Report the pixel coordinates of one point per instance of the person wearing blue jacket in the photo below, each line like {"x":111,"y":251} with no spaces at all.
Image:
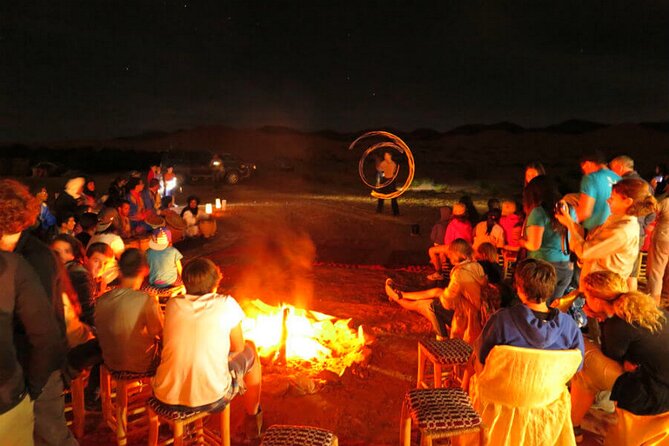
{"x":532,"y":324}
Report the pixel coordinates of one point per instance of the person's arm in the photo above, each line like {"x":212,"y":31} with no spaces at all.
{"x":179,"y":267}
{"x":85,"y":287}
{"x":533,"y":237}
{"x":236,"y":339}
{"x":605,"y":243}
{"x":154,"y":317}
{"x":586,"y":202}
{"x":48,"y":219}
{"x":37,"y":317}
{"x":491,"y":336}
{"x":452,"y":293}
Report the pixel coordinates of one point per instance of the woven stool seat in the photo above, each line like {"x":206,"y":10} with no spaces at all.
{"x":123,"y":375}
{"x":440,"y":413}
{"x":280,"y":435}
{"x":167,"y":292}
{"x":450,"y":351}
{"x":442,"y":409}
{"x":170,"y":412}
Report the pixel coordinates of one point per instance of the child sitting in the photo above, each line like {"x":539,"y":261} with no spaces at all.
{"x":164,"y":260}
{"x":458,"y":228}
{"x":486,"y":256}
{"x":489,"y":231}
{"x":439,"y":229}
{"x":205,"y":360}
{"x":512,"y":224}
{"x":532,"y":324}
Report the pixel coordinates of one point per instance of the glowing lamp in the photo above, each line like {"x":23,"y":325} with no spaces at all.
{"x":218,"y":203}
{"x":207,"y":208}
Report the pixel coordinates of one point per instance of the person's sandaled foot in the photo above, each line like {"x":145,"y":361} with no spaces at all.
{"x":391,"y":290}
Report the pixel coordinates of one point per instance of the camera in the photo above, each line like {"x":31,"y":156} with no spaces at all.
{"x":561,"y":207}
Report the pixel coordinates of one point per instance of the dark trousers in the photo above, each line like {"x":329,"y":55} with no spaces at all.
{"x":49,"y":410}
{"x":393,"y":202}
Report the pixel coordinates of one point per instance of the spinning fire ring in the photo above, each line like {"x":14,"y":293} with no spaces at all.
{"x":392,"y":142}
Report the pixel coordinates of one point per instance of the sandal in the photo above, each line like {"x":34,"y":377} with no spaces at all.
{"x":392,"y":291}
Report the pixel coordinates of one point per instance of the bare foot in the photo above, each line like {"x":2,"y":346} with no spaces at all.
{"x":390,"y":291}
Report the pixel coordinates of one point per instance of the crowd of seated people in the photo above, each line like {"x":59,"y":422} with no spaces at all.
{"x":81,"y":301}
{"x":575,"y":291}
{"x":77,"y":316}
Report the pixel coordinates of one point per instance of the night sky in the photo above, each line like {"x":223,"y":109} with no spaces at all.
{"x":95,"y":69}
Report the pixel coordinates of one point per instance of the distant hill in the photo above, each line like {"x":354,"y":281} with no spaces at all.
{"x":573,"y":126}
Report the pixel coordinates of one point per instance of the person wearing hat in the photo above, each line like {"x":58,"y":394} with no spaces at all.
{"x":164,"y":260}
{"x":104,"y":233}
{"x":458,"y":228}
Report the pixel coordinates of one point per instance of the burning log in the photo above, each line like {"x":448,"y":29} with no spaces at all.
{"x":280,"y":357}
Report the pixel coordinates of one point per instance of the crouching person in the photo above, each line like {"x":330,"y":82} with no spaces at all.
{"x":202,"y":330}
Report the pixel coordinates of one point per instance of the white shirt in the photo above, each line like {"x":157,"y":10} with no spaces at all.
{"x":496,"y":236}
{"x":196,"y":342}
{"x":612,"y":246}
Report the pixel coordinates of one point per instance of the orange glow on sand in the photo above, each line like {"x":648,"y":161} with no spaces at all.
{"x":326,"y":342}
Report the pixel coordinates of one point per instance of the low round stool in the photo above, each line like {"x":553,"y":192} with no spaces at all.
{"x":283,"y":435}
{"x":188,"y":427}
{"x":448,"y":358}
{"x":439,"y":413}
{"x":123,"y":396}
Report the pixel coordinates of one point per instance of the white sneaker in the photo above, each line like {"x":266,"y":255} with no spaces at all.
{"x":603,"y":402}
{"x":435,"y":276}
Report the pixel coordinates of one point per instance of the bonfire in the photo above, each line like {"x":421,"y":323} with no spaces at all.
{"x":297,"y":337}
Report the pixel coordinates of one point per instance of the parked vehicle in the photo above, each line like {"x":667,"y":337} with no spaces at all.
{"x":202,"y":165}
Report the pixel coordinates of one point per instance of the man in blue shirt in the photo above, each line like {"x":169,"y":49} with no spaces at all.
{"x":593,"y":210}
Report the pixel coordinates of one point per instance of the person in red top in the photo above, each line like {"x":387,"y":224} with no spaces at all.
{"x":458,"y":228}
{"x":138,"y":211}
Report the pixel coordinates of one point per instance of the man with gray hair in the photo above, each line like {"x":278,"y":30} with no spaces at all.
{"x":623,"y":165}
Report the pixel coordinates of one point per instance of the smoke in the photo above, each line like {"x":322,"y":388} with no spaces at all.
{"x":281,"y":268}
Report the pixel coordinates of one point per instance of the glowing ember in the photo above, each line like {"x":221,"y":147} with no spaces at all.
{"x":328,"y":343}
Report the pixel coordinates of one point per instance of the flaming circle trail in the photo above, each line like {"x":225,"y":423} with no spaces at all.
{"x":390,"y":142}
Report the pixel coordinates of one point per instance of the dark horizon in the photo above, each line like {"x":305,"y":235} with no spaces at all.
{"x":80,"y":71}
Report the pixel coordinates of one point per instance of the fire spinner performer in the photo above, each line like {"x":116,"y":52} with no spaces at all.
{"x":385,"y":188}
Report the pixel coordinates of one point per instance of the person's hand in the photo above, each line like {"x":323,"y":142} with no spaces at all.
{"x":629,"y":367}
{"x":564,"y":218}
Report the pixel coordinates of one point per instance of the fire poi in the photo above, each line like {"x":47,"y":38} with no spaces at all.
{"x":389,"y":141}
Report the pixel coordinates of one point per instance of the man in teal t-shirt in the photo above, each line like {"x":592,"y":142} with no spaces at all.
{"x":593,"y":210}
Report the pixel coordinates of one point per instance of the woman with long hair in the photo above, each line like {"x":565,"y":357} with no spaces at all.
{"x":633,"y":360}
{"x":532,"y":170}
{"x":545,"y":237}
{"x":459,"y":305}
{"x":614,"y":245}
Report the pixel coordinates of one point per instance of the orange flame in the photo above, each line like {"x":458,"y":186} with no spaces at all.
{"x":327,"y":342}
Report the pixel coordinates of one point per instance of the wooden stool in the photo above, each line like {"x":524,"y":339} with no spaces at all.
{"x":75,"y":410}
{"x":124,"y":396}
{"x":447,"y":357}
{"x":180,"y":421}
{"x":283,"y":435}
{"x":510,"y":260}
{"x":438,"y":413}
